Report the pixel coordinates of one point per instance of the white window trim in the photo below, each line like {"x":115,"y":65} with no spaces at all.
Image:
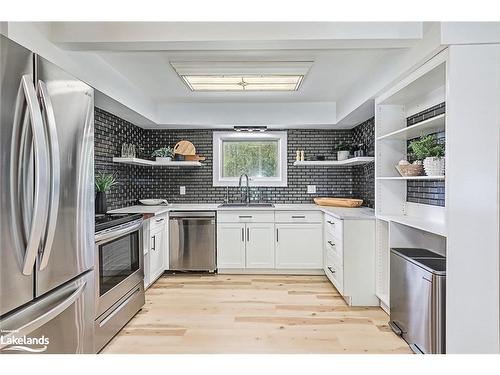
{"x":280,"y":136}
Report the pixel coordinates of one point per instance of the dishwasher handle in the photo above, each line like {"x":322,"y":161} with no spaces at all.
{"x":192,"y":214}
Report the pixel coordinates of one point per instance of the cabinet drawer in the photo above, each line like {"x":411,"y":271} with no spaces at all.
{"x":334,"y":246}
{"x":334,"y":271}
{"x":158,"y":221}
{"x":333,"y":226}
{"x":299,"y":216}
{"x":245,"y":216}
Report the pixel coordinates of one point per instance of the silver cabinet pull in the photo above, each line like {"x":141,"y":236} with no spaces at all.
{"x":242,"y":234}
{"x":330,"y":222}
{"x":53,"y":142}
{"x":160,"y":220}
{"x":331,"y":270}
{"x":248,"y":234}
{"x":331,"y":243}
{"x":153,"y":247}
{"x":298,"y":217}
{"x":27,"y":93}
{"x":245,"y":216}
{"x":277,"y":235}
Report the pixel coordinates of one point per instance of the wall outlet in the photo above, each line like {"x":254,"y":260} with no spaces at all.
{"x":182,"y":190}
{"x":311,"y":189}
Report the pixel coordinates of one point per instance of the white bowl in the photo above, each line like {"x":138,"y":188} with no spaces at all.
{"x":153,"y":202}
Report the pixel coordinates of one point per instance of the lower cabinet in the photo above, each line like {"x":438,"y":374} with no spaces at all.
{"x":259,"y":245}
{"x":155,"y":240}
{"x":230,"y":245}
{"x":243,"y":245}
{"x":157,"y":252}
{"x":299,"y":246}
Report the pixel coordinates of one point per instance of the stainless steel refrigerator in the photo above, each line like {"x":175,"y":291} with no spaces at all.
{"x":46,"y":206}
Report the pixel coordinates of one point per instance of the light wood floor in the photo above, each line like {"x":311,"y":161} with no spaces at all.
{"x":253,"y":314}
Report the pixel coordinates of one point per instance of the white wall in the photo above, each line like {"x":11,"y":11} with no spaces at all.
{"x":472,"y":136}
{"x":87,"y":67}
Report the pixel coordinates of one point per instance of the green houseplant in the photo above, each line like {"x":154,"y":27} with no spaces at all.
{"x":342,"y":150}
{"x":431,"y":151}
{"x":103,"y":183}
{"x":163,"y":154}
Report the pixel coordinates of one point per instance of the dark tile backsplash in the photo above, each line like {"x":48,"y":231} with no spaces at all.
{"x":157,"y":182}
{"x":427,"y":192}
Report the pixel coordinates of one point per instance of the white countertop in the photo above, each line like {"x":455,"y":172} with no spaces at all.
{"x":362,"y":213}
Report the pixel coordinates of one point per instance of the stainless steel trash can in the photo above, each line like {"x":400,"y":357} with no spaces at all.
{"x":417,"y":299}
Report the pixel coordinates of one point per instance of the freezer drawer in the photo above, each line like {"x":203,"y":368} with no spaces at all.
{"x":59,"y":323}
{"x":417,"y":302}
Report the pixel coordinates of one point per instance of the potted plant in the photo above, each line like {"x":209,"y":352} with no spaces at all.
{"x":431,"y":151}
{"x":342,"y":151}
{"x":103,"y":183}
{"x":163,"y":154}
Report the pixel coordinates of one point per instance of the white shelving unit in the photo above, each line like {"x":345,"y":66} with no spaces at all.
{"x":335,"y":163}
{"x":401,"y":223}
{"x":432,"y":125}
{"x":417,"y":178}
{"x":153,"y":163}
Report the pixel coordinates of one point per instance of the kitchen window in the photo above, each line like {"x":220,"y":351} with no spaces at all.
{"x":261,"y":155}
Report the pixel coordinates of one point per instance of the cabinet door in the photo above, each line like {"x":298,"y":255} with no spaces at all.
{"x":259,"y":245}
{"x":157,"y":253}
{"x":299,"y":246}
{"x":231,"y":245}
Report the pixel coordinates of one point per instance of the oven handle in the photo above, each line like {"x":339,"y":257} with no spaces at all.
{"x":101,"y":237}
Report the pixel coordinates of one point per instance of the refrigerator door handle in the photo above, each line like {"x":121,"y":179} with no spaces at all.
{"x":27,"y":328}
{"x":40,"y":204}
{"x":48,"y":111}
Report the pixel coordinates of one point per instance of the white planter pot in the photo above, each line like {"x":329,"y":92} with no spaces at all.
{"x":342,"y":155}
{"x":163,"y":160}
{"x":434,"y":166}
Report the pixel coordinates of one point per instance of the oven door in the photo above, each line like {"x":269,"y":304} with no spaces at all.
{"x":119,"y":264}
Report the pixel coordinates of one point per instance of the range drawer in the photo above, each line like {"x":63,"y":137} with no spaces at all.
{"x":299,"y":216}
{"x":333,"y":226}
{"x":245,"y":216}
{"x":158,"y":221}
{"x":334,"y":245}
{"x":334,"y":271}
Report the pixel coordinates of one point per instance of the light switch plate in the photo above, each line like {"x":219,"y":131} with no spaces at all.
{"x":182,"y":190}
{"x":311,"y":189}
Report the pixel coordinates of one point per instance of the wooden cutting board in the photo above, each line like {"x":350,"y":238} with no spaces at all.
{"x":194,"y":158}
{"x":184,"y":148}
{"x":339,"y":202}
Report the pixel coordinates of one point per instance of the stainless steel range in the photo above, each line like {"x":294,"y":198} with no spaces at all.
{"x":119,"y":273}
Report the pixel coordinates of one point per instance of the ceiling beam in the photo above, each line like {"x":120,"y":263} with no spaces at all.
{"x":158,"y":36}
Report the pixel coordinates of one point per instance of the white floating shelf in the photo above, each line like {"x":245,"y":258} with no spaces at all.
{"x":335,"y":163}
{"x":152,"y":163}
{"x":432,"y":125}
{"x":427,"y":225}
{"x":424,"y":178}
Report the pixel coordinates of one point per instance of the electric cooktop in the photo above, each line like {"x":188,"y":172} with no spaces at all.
{"x":106,"y":221}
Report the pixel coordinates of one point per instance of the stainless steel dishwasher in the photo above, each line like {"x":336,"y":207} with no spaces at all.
{"x":192,"y":241}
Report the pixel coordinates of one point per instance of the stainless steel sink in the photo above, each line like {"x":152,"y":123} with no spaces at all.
{"x":247,"y":205}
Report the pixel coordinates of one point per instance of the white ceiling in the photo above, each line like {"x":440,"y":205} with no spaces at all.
{"x":330,"y":76}
{"x":344,"y":56}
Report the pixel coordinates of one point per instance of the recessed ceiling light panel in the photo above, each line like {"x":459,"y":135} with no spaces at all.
{"x":241,"y":76}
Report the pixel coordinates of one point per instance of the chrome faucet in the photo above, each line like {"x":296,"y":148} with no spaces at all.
{"x":248,"y":187}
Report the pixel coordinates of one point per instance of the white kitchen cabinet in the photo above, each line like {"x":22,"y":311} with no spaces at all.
{"x":349,"y":255}
{"x":299,"y":246}
{"x":259,"y":245}
{"x":230,"y":245}
{"x":157,"y":252}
